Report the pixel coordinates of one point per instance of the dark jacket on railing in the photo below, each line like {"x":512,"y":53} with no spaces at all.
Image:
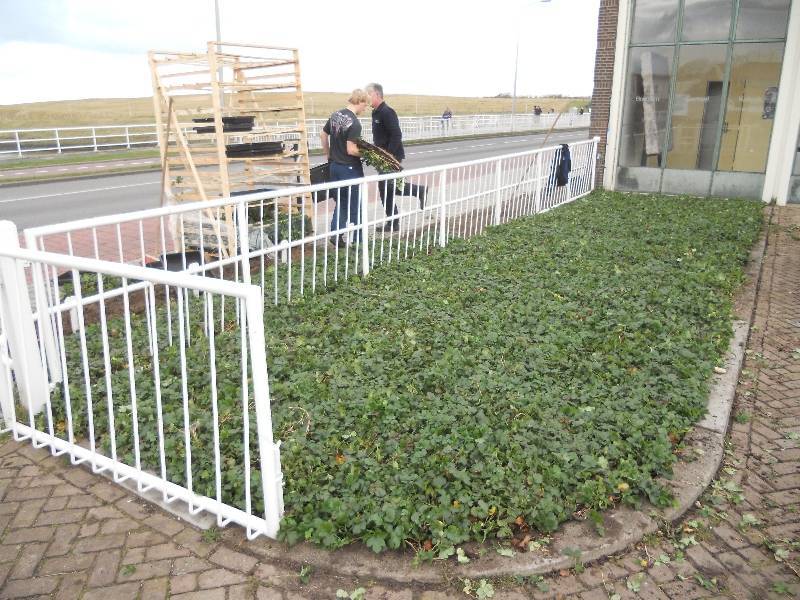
{"x":386,"y":132}
{"x":562,"y":165}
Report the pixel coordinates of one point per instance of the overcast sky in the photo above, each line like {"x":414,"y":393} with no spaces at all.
{"x":65,"y":49}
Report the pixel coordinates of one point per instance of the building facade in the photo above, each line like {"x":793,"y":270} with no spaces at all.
{"x":699,"y":97}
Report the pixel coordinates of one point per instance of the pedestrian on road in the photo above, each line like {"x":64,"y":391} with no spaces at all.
{"x":386,"y":134}
{"x":338,"y":139}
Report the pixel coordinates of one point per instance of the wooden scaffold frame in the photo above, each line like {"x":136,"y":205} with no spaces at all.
{"x":248,"y":132}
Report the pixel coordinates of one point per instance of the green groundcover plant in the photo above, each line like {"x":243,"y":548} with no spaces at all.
{"x":503,"y":382}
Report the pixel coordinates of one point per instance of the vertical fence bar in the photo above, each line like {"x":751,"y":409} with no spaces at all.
{"x":242,"y":228}
{"x":94,"y":138}
{"x":362,"y":194}
{"x":18,"y":317}
{"x":127,"y":138}
{"x":443,"y":209}
{"x":267,"y":450}
{"x":19,"y":147}
{"x":498,"y":194}
{"x":58,"y":141}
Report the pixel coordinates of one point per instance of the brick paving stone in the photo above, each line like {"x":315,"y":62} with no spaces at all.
{"x":243,"y":591}
{"x":134,"y":508}
{"x":145,"y":538}
{"x":9,"y":553}
{"x":164,"y":524}
{"x":65,"y":564}
{"x":118,"y":526}
{"x":29,"y":534}
{"x":26,"y":516}
{"x":218,"y":577}
{"x":100,"y":542}
{"x":146,"y":570}
{"x":55,"y":504}
{"x":27,"y":561}
{"x":155,"y":589}
{"x":595,"y":594}
{"x":166,"y":551}
{"x":101,"y":513}
{"x":83,"y":501}
{"x":61,"y":517}
{"x":235,"y":561}
{"x":267,"y":593}
{"x":71,"y":586}
{"x":65,"y":489}
{"x":190,"y":564}
{"x":183,"y":583}
{"x":105,"y":568}
{"x":217,"y":594}
{"x":125,"y":591}
{"x":30,"y":587}
{"x":133,"y":556}
{"x":107,"y":491}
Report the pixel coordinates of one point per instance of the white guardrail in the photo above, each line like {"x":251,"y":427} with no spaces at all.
{"x":112,"y":362}
{"x":22,"y":142}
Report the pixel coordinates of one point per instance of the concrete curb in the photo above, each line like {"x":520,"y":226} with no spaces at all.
{"x":624,"y":526}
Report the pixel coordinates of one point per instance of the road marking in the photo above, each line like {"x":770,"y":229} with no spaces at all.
{"x":105,"y":189}
{"x":79,"y":168}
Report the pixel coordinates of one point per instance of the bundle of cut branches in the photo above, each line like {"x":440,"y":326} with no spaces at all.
{"x":381,"y":160}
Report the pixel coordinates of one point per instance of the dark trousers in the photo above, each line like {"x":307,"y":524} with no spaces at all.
{"x":348,"y":205}
{"x":387,"y":191}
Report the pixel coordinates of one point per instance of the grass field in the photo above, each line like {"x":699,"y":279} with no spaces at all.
{"x":125,"y":111}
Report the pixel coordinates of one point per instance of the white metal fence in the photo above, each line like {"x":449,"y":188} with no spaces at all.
{"x":22,"y":142}
{"x":162,"y":376}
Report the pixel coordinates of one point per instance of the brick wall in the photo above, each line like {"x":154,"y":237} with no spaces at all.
{"x":603,"y":77}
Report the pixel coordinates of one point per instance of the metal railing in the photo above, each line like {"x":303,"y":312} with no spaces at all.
{"x":96,"y":138}
{"x":130,"y":353}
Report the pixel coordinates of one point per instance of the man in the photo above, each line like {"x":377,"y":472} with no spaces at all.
{"x":386,"y":134}
{"x":338,"y":139}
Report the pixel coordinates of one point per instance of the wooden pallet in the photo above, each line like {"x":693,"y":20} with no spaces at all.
{"x":228,"y":80}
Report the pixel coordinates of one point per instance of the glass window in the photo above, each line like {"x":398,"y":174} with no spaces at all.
{"x":750,"y":110}
{"x":644,"y":120}
{"x":654,"y":21}
{"x":697,"y":106}
{"x":707,"y":19}
{"x":759,"y":19}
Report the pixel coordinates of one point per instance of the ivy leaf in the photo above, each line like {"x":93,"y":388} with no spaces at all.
{"x":461,"y":556}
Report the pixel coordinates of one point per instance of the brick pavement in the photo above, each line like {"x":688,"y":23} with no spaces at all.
{"x":66,"y":533}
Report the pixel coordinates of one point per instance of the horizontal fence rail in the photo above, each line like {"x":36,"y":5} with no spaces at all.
{"x":96,"y":138}
{"x":122,"y":315}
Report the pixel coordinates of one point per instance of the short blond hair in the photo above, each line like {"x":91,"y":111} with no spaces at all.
{"x":358,"y":96}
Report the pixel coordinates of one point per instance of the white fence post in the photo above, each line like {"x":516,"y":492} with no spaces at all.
{"x":244,"y":239}
{"x":595,"y":142}
{"x":498,"y":195}
{"x":18,"y":317}
{"x":19,"y":147}
{"x":364,"y":230}
{"x":537,"y":207}
{"x":443,"y":209}
{"x":127,"y":137}
{"x":94,"y":138}
{"x":58,"y":141}
{"x":269,"y":456}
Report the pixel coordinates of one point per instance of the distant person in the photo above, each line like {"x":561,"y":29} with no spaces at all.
{"x":338,"y":139}
{"x":446,"y":116}
{"x":551,"y":111}
{"x":580,"y":111}
{"x":386,"y":134}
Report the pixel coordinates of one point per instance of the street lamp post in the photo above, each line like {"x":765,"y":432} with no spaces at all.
{"x":516,"y":69}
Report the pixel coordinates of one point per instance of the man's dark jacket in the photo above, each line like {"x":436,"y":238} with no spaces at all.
{"x":386,"y":132}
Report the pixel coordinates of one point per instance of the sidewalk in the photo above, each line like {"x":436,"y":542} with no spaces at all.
{"x":66,"y":533}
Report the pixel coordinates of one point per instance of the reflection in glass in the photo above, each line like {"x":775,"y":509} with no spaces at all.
{"x":697,"y":106}
{"x":654,"y":21}
{"x":759,"y":19}
{"x":750,"y":110}
{"x":644,"y":121}
{"x":707,"y":20}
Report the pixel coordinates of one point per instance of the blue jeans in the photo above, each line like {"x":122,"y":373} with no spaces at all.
{"x":348,"y":206}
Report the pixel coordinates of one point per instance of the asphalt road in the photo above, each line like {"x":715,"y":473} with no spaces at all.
{"x":53,"y":202}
